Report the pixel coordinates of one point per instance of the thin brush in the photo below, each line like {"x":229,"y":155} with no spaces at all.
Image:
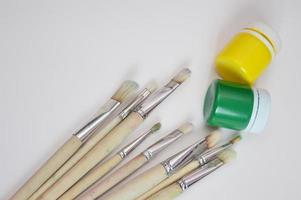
{"x":172,"y":191}
{"x":198,"y":161}
{"x":100,"y":170}
{"x":114,"y":139}
{"x":135,"y":164}
{"x":98,"y":136}
{"x":74,"y":143}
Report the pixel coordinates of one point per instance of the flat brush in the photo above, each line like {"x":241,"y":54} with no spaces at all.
{"x":197,"y":162}
{"x":152,"y":177}
{"x":175,"y":189}
{"x":114,"y":139}
{"x":104,"y":128}
{"x":99,"y":171}
{"x":136,"y":163}
{"x":74,"y":143}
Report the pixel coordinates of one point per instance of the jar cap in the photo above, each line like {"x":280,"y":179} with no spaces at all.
{"x":228,"y":105}
{"x":261,"y":110}
{"x":268,"y":32}
{"x":236,"y":106}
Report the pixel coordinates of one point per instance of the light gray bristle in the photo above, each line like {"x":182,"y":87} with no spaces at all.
{"x":227,"y":155}
{"x":182,"y":75}
{"x":236,"y":139}
{"x":126,"y":90}
{"x":213,"y":138}
{"x":186,"y":127}
{"x":156,"y":127}
{"x":151,"y":86}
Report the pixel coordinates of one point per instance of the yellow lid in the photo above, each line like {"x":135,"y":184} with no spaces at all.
{"x":247,"y":55}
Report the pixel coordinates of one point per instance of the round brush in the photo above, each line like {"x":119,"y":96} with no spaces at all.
{"x":172,"y":191}
{"x":74,"y":143}
{"x":136,"y":163}
{"x":100,"y":170}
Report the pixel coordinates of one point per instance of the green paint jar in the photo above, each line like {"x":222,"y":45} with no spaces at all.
{"x":236,"y":106}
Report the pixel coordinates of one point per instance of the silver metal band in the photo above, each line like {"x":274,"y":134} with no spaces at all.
{"x":135,"y":102}
{"x":84,"y":133}
{"x":156,"y":98}
{"x":183,"y":157}
{"x":130,"y":147}
{"x":162,"y":144}
{"x":197,"y":175}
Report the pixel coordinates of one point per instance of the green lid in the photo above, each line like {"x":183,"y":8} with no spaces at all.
{"x":228,"y":105}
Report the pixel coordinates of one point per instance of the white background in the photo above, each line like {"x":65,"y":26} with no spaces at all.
{"x":61,"y":60}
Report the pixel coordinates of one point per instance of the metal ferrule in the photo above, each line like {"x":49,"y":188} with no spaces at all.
{"x":199,"y":174}
{"x":183,"y":157}
{"x":84,"y":133}
{"x":134,"y":103}
{"x":154,"y":149}
{"x":211,"y":154}
{"x":130,"y":147}
{"x":156,"y":98}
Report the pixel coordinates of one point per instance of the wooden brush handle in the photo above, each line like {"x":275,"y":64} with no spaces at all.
{"x":88,"y":145}
{"x":91,"y":178}
{"x":48,"y":168}
{"x":115,"y":178}
{"x":168,"y":193}
{"x":140,"y":184}
{"x":94,"y":156}
{"x":176,"y":176}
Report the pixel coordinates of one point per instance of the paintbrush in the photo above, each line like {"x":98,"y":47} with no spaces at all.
{"x":114,"y":139}
{"x":75,"y":142}
{"x":197,"y":162}
{"x":103,"y":131}
{"x":152,"y":177}
{"x":136,"y":163}
{"x":99,"y":171}
{"x":172,"y":191}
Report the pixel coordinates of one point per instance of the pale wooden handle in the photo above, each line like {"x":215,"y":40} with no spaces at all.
{"x":94,"y":156}
{"x":48,"y":168}
{"x":97,"y":136}
{"x":91,"y":178}
{"x":115,"y":178}
{"x":176,"y":176}
{"x":140,"y":184}
{"x":167,"y":193}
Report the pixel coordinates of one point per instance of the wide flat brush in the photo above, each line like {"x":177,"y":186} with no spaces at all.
{"x":174,"y":190}
{"x":99,"y":171}
{"x":197,"y":162}
{"x":152,"y":177}
{"x":135,"y":164}
{"x":74,"y":143}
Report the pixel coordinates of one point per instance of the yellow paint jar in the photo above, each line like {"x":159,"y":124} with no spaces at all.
{"x":249,"y":52}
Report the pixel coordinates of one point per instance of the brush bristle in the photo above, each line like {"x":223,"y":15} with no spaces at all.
{"x":156,"y":127}
{"x":213,"y":138}
{"x":186,"y":127}
{"x":227,"y":156}
{"x":182,"y":75}
{"x":126,"y":90}
{"x":151,"y":86}
{"x":236,"y":139}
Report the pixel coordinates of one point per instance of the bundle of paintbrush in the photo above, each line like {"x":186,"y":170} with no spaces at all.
{"x":96,"y":141}
{"x":136,"y":163}
{"x":172,"y":169}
